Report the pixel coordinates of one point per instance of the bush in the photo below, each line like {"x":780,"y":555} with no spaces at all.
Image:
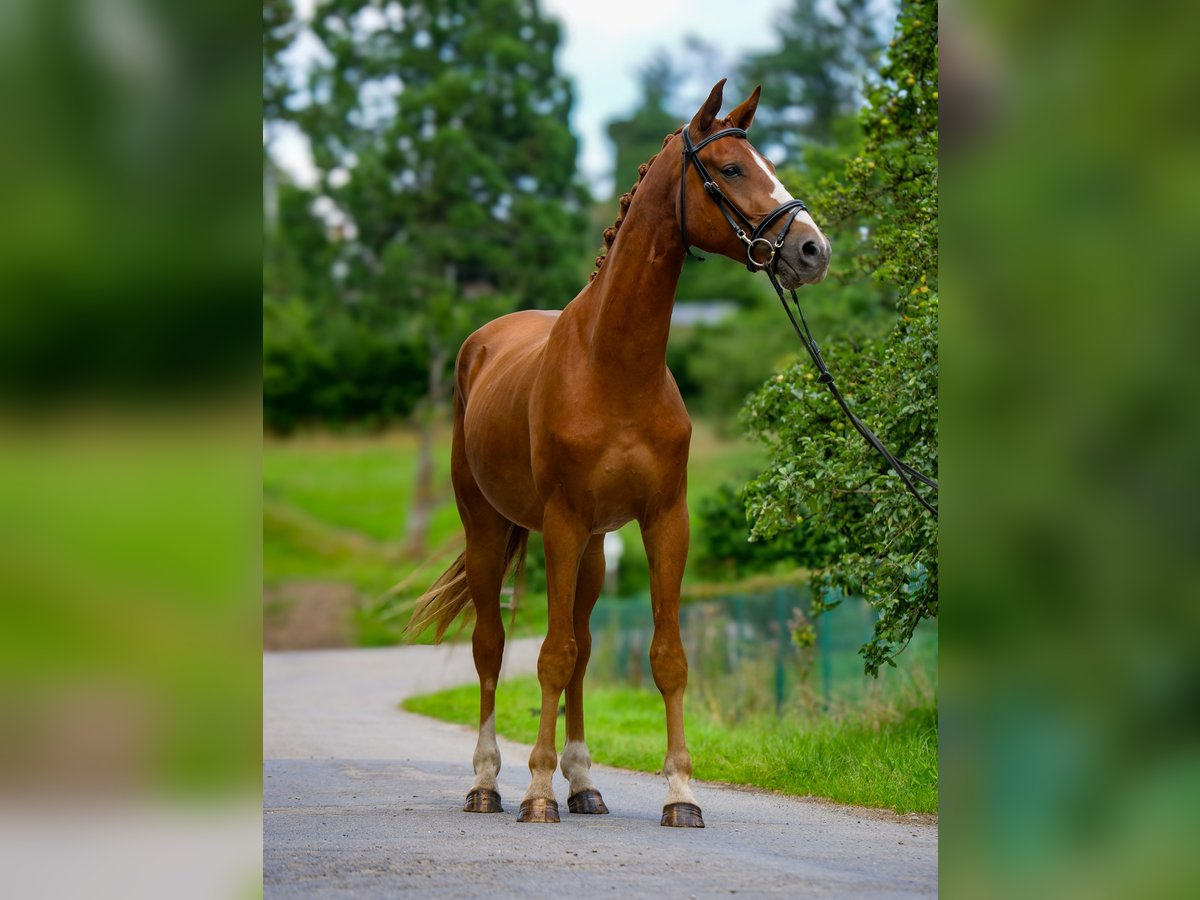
{"x":887,"y":549}
{"x":326,"y":366}
{"x":728,"y":550}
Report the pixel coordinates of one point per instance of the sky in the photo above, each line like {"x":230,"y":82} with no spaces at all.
{"x":605,"y":44}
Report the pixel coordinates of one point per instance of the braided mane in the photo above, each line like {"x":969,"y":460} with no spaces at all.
{"x":610,"y":233}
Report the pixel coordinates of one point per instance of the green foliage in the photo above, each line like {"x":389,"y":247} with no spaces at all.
{"x":890,"y":188}
{"x":718,"y":366}
{"x":335,"y":368}
{"x":640,"y":137}
{"x":721,"y":278}
{"x":446,"y":197}
{"x":279,"y":30}
{"x":727,"y":549}
{"x":443,"y":135}
{"x":894,"y":753}
{"x":819,"y":465}
{"x":811,"y":82}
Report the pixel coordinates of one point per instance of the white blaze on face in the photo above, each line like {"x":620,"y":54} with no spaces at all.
{"x":778,"y":192}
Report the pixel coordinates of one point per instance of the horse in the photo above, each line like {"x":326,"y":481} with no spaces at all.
{"x":569,"y":423}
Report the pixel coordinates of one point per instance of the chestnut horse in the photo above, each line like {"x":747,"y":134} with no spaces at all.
{"x":569,"y":423}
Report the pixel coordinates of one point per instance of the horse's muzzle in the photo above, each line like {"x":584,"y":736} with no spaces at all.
{"x":803,"y":259}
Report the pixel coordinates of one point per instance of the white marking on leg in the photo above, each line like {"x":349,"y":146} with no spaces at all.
{"x":487,"y":755}
{"x":541,"y":785}
{"x":679,"y":789}
{"x":577,"y":766}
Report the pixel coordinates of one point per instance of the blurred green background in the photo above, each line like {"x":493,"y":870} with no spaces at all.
{"x":128,"y":249}
{"x":130,"y":245}
{"x":1069,"y":663}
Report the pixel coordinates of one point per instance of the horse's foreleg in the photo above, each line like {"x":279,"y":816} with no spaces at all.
{"x":565,"y":540}
{"x":576,"y":761}
{"x":666,"y":538}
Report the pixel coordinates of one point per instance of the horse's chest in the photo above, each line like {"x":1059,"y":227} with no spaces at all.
{"x":617,"y":469}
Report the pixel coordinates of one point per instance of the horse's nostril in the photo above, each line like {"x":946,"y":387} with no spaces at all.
{"x":809,"y":250}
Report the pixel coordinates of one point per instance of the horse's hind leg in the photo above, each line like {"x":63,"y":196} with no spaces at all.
{"x":489,"y":538}
{"x":576,"y":761}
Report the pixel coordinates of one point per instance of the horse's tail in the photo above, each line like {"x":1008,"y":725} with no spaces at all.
{"x":449,"y":596}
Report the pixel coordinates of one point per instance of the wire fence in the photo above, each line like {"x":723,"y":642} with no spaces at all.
{"x":751,"y":654}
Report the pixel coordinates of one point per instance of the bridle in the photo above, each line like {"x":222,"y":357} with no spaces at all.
{"x":790,"y":208}
{"x":788,"y":211}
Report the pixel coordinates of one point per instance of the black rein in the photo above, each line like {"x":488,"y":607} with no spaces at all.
{"x":791,"y":209}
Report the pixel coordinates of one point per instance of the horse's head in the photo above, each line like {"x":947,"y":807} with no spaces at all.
{"x":734,"y":217}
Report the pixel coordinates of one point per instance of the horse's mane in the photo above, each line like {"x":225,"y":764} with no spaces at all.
{"x":610,"y":233}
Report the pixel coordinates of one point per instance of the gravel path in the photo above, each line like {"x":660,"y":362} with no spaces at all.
{"x":362,"y":799}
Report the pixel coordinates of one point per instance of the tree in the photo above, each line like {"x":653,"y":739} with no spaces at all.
{"x":640,"y":137}
{"x":814,"y":80}
{"x":279,"y":30}
{"x":439,"y":132}
{"x":820,"y":467}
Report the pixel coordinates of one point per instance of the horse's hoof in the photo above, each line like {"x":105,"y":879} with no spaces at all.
{"x":539,"y":809}
{"x":682,"y":815}
{"x":481,"y":800}
{"x":589,"y":802}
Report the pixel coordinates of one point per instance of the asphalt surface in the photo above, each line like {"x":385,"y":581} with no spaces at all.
{"x":362,"y":799}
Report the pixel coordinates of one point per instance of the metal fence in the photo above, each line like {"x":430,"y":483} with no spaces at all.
{"x":756,"y":653}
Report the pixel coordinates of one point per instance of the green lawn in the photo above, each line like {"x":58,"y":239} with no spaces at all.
{"x":885,"y":759}
{"x":334,"y":510}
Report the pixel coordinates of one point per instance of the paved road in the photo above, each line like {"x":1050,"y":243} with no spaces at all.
{"x":362,"y":799}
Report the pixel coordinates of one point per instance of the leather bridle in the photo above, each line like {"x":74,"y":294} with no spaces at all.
{"x":791,"y":208}
{"x":740,"y":225}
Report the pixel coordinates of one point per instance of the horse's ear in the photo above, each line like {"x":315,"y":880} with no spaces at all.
{"x":707,"y":114}
{"x":744,"y":114}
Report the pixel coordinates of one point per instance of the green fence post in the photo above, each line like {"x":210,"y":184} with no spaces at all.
{"x":780,"y":649}
{"x":825,"y":648}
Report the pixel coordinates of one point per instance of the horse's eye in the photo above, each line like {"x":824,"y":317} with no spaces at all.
{"x":731,"y":171}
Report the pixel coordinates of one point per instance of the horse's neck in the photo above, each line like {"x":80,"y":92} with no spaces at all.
{"x":629,"y":304}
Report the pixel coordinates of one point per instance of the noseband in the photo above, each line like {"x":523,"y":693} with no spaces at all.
{"x":740,"y":225}
{"x":790,"y":210}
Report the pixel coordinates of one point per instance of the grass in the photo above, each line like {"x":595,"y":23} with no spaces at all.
{"x":334,"y":510}
{"x":886,"y":758}
{"x":126,"y":562}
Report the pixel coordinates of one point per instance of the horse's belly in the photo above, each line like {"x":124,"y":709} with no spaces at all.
{"x":496,"y":433}
{"x":497,"y":366}
{"x":505,"y":482}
